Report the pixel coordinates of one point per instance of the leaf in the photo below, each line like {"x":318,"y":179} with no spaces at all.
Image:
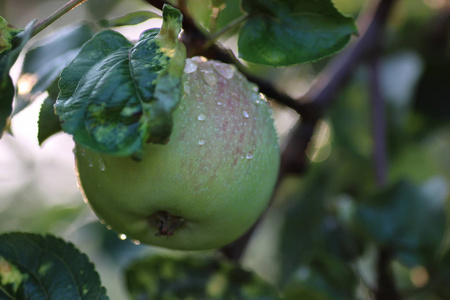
{"x":46,"y":59}
{"x":409,"y":220}
{"x":194,"y":277}
{"x":7,"y":60}
{"x":129,"y":19}
{"x":326,"y":279}
{"x":45,"y":267}
{"x":7,"y":34}
{"x":48,"y":123}
{"x":288,"y":32}
{"x":115,"y":96}
{"x":300,"y":233}
{"x":100,"y":8}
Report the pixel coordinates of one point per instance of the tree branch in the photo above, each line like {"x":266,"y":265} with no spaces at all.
{"x":56,"y":15}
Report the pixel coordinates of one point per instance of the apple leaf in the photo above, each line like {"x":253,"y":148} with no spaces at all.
{"x":48,"y":122}
{"x":7,"y":33}
{"x":8,"y":56}
{"x":33,"y":266}
{"x":129,"y":19}
{"x":288,"y":32}
{"x":407,"y":219}
{"x":326,"y":278}
{"x":45,"y":60}
{"x":163,"y":277}
{"x":116,"y":96}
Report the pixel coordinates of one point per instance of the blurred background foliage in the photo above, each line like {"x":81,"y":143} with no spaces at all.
{"x":325,"y":233}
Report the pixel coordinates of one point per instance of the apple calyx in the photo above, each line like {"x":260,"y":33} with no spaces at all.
{"x":165,"y":223}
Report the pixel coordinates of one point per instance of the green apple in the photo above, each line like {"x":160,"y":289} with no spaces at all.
{"x":212,"y":180}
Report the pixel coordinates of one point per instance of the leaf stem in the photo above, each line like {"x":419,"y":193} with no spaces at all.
{"x":238,"y":20}
{"x":56,"y":15}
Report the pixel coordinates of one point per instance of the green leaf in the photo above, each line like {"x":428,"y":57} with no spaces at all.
{"x":48,"y":123}
{"x":194,"y":277}
{"x":7,"y":60}
{"x":288,"y":32}
{"x":100,"y":8}
{"x":326,"y":278}
{"x":46,"y":59}
{"x":45,"y":267}
{"x":300,"y":233}
{"x":129,"y":19}
{"x":7,"y":33}
{"x":116,"y":96}
{"x":409,"y":220}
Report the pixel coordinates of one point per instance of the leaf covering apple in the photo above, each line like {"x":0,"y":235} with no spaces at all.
{"x":209,"y":181}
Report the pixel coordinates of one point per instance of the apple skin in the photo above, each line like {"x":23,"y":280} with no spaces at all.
{"x":214,"y":177}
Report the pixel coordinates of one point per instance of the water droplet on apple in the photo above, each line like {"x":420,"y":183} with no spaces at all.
{"x":209,"y":77}
{"x":245,"y":114}
{"x":224,"y":70}
{"x":101,"y":164}
{"x":199,"y":59}
{"x":201,"y":142}
{"x":187,"y":89}
{"x":253,"y":87}
{"x":190,"y":66}
{"x":249,"y":155}
{"x":201,"y":117}
{"x":122,"y":236}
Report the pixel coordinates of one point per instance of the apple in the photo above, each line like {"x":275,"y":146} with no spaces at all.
{"x":212,"y":180}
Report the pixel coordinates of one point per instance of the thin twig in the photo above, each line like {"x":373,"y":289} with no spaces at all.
{"x":378,"y":123}
{"x":56,"y":15}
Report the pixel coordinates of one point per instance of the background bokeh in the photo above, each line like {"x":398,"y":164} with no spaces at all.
{"x":39,"y":193}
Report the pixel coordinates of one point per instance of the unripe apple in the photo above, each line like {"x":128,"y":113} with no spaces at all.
{"x":212,"y":180}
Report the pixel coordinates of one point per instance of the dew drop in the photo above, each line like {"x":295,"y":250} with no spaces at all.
{"x":199,"y":59}
{"x":82,"y":152}
{"x":253,"y":87}
{"x":122,"y":236}
{"x":249,"y":155}
{"x":245,"y":114}
{"x":186,"y":89}
{"x":201,"y":142}
{"x":190,"y":66}
{"x":201,"y":117}
{"x":108,"y":227}
{"x":74,"y":151}
{"x":224,"y":70}
{"x":90,"y":163}
{"x":219,"y":103}
{"x":136,"y":242}
{"x":209,"y":77}
{"x":101,"y":165}
{"x":181,"y":107}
